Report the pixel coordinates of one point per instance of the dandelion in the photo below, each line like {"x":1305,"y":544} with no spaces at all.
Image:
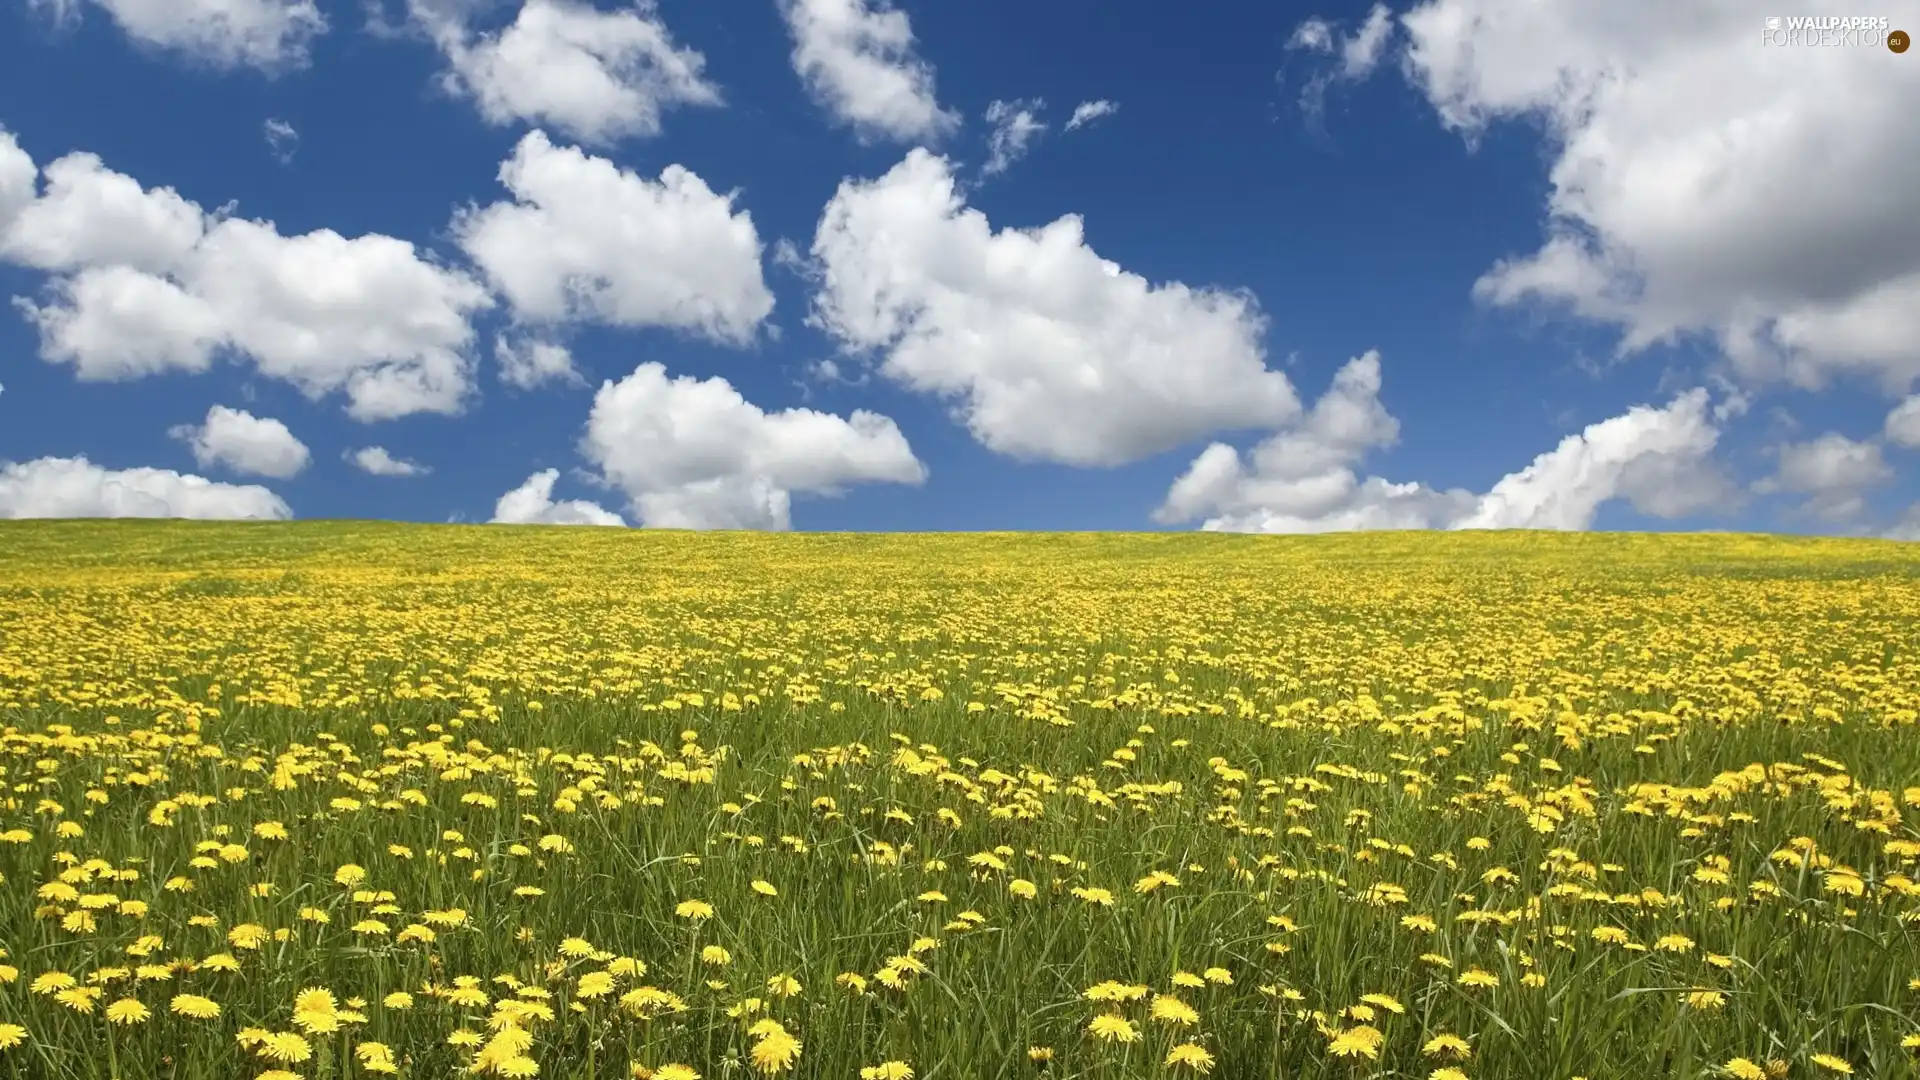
{"x":1112,"y":1027}
{"x":80,"y":999}
{"x":285,"y":1047}
{"x":376,"y":1057}
{"x":194,"y":1007}
{"x":1173,"y":1011}
{"x":1190,"y":1055}
{"x":1356,"y":1042}
{"x":127,"y":1012}
{"x":775,"y":1052}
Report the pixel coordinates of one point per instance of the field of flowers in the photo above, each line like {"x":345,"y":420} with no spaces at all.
{"x":349,"y":800}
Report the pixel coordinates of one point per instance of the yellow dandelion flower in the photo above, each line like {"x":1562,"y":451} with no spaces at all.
{"x":194,"y":1006}
{"x":1173,"y":1011}
{"x":286,"y":1047}
{"x":1190,"y":1055}
{"x":775,"y":1052}
{"x":1356,"y":1042}
{"x":1112,"y":1027}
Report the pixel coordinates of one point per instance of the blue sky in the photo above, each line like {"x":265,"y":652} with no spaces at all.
{"x":1708,"y":316}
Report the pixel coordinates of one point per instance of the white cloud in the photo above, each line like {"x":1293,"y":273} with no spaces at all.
{"x":244,"y":443}
{"x":1657,"y":459}
{"x":1088,"y":111}
{"x":857,"y":59}
{"x":1907,"y":528}
{"x":587,"y":240}
{"x":1358,"y":53}
{"x":282,"y":140}
{"x":54,"y":487}
{"x":597,"y":75}
{"x":377,"y":461}
{"x":1015,"y":125}
{"x":1903,"y":423}
{"x":1832,"y":471}
{"x":1680,"y":159}
{"x":270,"y":35}
{"x":528,"y":362}
{"x":1049,"y":351}
{"x":1314,"y":34}
{"x":1304,"y":479}
{"x":532,"y":504}
{"x":144,"y":281}
{"x":18,"y":179}
{"x":692,"y":453}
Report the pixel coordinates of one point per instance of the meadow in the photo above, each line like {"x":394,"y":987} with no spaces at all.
{"x":329,"y":800}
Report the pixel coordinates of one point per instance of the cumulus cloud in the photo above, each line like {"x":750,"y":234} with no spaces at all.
{"x":269,"y":35}
{"x":528,"y":362}
{"x":1016,"y":124}
{"x":1304,"y":478}
{"x":694,"y":454}
{"x":585,"y":240}
{"x":244,"y":443}
{"x":1676,"y":156}
{"x":19,"y":179}
{"x":142,"y":280}
{"x":56,"y":487}
{"x":282,"y":140}
{"x":1832,"y":471}
{"x":857,"y":58}
{"x":1048,"y":351}
{"x":1903,"y":423}
{"x":1657,"y":459}
{"x":1088,"y":111}
{"x":599,"y":76}
{"x":532,"y":504}
{"x":377,"y":461}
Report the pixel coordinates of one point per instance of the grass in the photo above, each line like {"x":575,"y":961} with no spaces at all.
{"x":1593,"y":805}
